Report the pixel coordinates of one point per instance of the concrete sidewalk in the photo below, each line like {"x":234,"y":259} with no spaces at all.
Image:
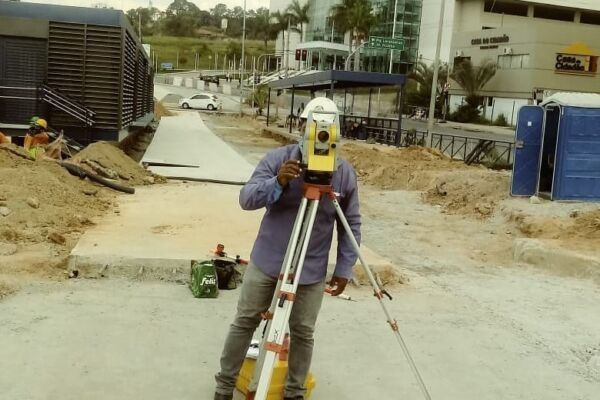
{"x":187,"y":148}
{"x":162,"y":228}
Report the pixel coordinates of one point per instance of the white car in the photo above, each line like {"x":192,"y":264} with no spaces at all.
{"x":206,"y":101}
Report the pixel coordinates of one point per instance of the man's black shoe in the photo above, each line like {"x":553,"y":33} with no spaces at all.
{"x":219,"y":396}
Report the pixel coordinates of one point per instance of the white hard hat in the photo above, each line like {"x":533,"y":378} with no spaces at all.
{"x":319,"y":104}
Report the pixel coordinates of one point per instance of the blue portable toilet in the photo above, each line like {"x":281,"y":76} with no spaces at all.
{"x":557,"y":148}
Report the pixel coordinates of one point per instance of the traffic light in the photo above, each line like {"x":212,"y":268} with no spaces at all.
{"x":298,"y":54}
{"x":304,"y":54}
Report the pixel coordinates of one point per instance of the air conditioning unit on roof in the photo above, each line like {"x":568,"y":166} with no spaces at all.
{"x":508,"y":50}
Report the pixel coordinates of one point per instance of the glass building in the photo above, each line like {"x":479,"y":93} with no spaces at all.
{"x":328,"y":47}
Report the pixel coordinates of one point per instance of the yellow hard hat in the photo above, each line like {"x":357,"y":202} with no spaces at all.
{"x":42,"y":122}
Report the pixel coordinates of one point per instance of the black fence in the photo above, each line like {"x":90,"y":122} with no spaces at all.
{"x":385,"y":130}
{"x":499,"y":152}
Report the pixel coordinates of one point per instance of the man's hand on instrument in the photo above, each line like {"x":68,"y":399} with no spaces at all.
{"x":338,"y":285}
{"x":289,"y":171}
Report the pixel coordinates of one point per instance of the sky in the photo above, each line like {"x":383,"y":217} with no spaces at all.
{"x":429,"y":22}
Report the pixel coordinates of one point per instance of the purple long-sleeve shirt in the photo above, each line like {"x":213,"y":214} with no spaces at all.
{"x":263,"y":190}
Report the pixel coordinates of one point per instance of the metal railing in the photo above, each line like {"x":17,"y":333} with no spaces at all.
{"x":64,"y":103}
{"x":460,"y":147}
{"x":384,"y":131}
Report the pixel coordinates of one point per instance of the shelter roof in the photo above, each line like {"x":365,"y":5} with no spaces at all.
{"x":322,"y":80}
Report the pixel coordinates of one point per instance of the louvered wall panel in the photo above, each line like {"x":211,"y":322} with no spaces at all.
{"x":66,"y":50}
{"x":129,"y":69}
{"x":22,"y":65}
{"x":103,"y":74}
{"x":150,"y":93}
{"x":140,"y":78}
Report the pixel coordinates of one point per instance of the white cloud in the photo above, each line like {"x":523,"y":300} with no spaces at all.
{"x":161,"y":4}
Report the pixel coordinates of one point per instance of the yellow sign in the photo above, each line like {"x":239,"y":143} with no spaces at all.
{"x":577,"y":59}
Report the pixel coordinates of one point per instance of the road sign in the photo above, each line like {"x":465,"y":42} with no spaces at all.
{"x":379,"y":42}
{"x":166,"y":66}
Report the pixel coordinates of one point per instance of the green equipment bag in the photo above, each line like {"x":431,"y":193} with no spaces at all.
{"x":203,"y":282}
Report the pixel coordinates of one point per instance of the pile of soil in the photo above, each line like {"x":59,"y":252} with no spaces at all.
{"x":42,"y":202}
{"x":386,"y":275}
{"x":580,"y":227}
{"x":43,"y":212}
{"x":113,"y":159}
{"x":412,"y":168}
{"x":161,"y":111}
{"x":471,"y":191}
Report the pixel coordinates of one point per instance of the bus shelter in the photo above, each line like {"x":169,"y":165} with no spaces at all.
{"x":385,"y":130}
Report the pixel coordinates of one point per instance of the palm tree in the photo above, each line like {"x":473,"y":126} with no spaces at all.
{"x":356,"y":17}
{"x":299,"y":15}
{"x":422,"y":74}
{"x":473,"y":78}
{"x":281,"y":22}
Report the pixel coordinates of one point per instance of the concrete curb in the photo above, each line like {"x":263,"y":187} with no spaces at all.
{"x":108,"y":266}
{"x":551,"y":257}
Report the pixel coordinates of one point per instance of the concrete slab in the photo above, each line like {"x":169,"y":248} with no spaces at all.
{"x":185,"y":140}
{"x":162,"y":228}
{"x":548,"y":254}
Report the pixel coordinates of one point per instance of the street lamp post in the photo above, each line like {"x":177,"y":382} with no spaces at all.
{"x":243,"y":59}
{"x":393,"y":35}
{"x":436,"y":67}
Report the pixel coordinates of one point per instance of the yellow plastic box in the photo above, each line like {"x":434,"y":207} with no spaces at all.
{"x":277,"y":381}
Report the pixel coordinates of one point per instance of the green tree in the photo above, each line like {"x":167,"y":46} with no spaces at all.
{"x":472,"y":79}
{"x":219,"y":12}
{"x":143,"y":14}
{"x":183,"y":8}
{"x":299,"y":15}
{"x":261,"y":27}
{"x":356,"y":17}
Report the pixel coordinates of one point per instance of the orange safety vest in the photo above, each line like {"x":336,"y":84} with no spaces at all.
{"x":4,"y":139}
{"x":33,"y":141}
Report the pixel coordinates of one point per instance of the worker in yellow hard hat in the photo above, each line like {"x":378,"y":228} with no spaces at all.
{"x":36,"y":137}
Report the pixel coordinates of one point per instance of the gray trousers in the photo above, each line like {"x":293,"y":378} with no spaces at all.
{"x":255,"y":297}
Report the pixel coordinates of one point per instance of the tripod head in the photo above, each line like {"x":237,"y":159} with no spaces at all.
{"x":320,"y":141}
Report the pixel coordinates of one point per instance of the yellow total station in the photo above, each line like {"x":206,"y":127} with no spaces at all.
{"x":320,"y":142}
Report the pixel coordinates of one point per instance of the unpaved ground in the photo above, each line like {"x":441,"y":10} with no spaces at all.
{"x":47,"y":209}
{"x":455,"y":226}
{"x":479,"y":326}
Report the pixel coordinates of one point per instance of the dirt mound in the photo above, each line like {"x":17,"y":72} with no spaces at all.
{"x":113,"y":163}
{"x":584,"y":226}
{"x":412,"y":168}
{"x":160,"y":110}
{"x":387,"y":275}
{"x":471,"y":191}
{"x":40,"y":198}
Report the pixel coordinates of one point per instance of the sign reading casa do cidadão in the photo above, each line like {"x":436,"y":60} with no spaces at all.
{"x":576,"y":59}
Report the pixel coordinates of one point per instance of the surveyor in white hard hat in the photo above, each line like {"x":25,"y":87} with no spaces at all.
{"x":277,"y":185}
{"x":316,"y":104}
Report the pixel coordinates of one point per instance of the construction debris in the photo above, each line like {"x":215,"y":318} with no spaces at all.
{"x":109,"y":161}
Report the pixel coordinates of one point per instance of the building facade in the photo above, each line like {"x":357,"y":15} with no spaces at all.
{"x":327,"y":47}
{"x":539,"y":50}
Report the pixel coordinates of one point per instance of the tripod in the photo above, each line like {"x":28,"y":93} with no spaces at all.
{"x":278,"y":315}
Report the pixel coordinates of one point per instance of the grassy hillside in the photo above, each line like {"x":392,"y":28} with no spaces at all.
{"x":166,"y":48}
